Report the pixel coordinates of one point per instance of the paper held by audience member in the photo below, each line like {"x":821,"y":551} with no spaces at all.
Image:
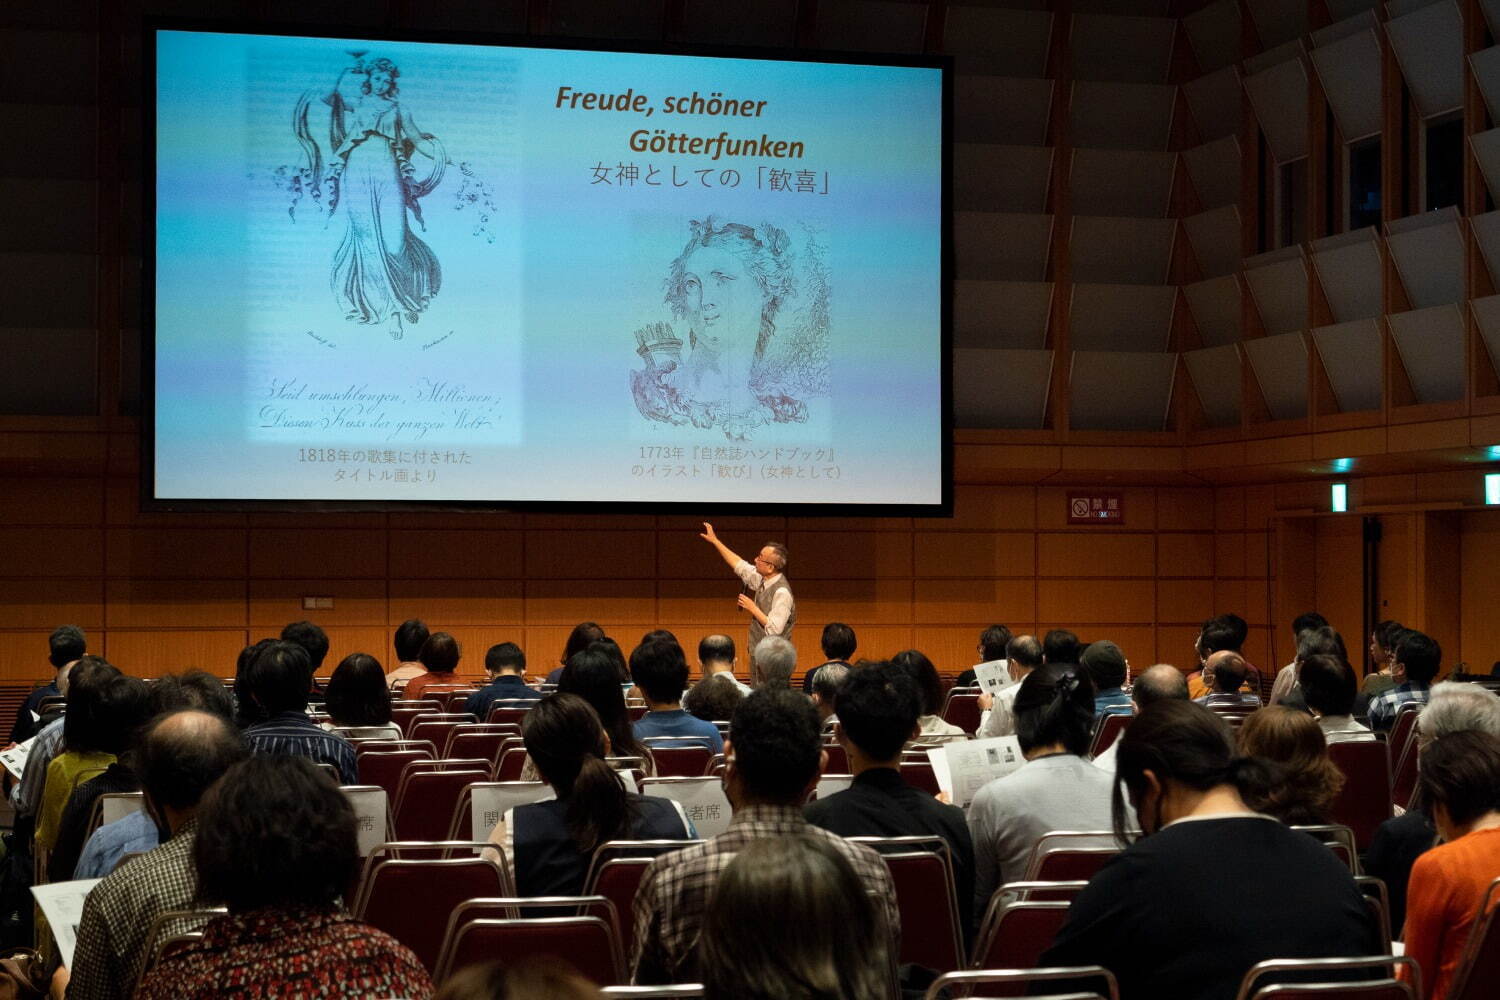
{"x":992,"y":677}
{"x":14,"y":759}
{"x":963,"y":768}
{"x":62,"y":905}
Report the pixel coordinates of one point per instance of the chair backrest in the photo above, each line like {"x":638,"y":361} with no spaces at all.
{"x":454,"y":701}
{"x":385,"y":769}
{"x":482,"y":804}
{"x":832,"y":784}
{"x":617,"y":880}
{"x":425,"y":727}
{"x":518,"y":907}
{"x":1069,"y":864}
{"x":169,"y":925}
{"x":588,"y":944}
{"x":1403,"y":726}
{"x":403,"y":713}
{"x":681,"y":760}
{"x":703,"y":800}
{"x":931,"y":935}
{"x":1340,"y":840}
{"x":684,"y":991}
{"x":919,"y":774}
{"x":1332,"y":978}
{"x":1365,"y":800}
{"x":1479,"y":967}
{"x":507,"y":712}
{"x":951,"y":983}
{"x":511,"y":763}
{"x":1016,"y":932}
{"x":112,"y":806}
{"x":838,"y":758}
{"x":1379,"y":902}
{"x":1404,"y":760}
{"x":372,"y":815}
{"x":961,"y":709}
{"x":412,"y":898}
{"x":478,"y":739}
{"x":394,"y":746}
{"x":428,"y":798}
{"x":1110,"y":727}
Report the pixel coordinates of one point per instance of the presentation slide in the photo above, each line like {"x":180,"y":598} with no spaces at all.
{"x":397,"y":271}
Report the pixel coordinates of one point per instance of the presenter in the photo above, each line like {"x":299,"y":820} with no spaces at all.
{"x":766,"y":596}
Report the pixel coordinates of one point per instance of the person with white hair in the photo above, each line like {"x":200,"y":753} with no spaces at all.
{"x":772,"y":662}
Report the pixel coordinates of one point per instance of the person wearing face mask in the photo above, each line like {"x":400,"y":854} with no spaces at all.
{"x":1210,"y":887}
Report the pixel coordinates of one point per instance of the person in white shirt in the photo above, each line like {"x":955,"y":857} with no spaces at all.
{"x":410,"y":636}
{"x":1162,"y":682}
{"x":767,"y":596}
{"x":716,"y":655}
{"x":1023,"y":654}
{"x":1329,"y":688}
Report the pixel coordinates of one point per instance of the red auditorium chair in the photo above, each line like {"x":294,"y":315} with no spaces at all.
{"x":410,"y":889}
{"x":1309,"y":986}
{"x":1365,"y":800}
{"x":922,"y":871}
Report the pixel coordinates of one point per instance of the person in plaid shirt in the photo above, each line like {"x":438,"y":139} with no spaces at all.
{"x":773,"y":756}
{"x":1417,"y":659}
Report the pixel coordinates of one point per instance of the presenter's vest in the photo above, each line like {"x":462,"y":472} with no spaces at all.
{"x":548,"y":863}
{"x":764,"y":597}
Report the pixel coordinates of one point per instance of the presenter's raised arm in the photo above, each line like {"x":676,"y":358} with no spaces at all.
{"x":707,"y":534}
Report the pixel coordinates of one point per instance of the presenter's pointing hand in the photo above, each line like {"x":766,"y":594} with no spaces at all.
{"x":707,"y":534}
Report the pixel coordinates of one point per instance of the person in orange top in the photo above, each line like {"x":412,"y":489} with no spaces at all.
{"x":439,"y":655}
{"x":1461,"y":785}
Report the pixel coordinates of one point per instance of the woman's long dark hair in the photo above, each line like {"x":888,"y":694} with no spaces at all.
{"x":566,"y":743}
{"x":1055,"y":704}
{"x":358,"y":694}
{"x":921,"y":670}
{"x":594,"y":676}
{"x":1186,"y":743}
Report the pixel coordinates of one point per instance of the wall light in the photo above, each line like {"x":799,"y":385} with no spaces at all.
{"x":1492,"y":489}
{"x":1339,"y":497}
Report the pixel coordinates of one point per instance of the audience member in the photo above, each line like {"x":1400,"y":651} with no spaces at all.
{"x":277,"y":847}
{"x":1056,"y":789}
{"x":1225,"y":633}
{"x":1286,"y":678}
{"x":790,"y":920}
{"x":660,"y":673}
{"x":312,"y":639}
{"x":583,"y":635}
{"x":1308,"y":782}
{"x":714,"y":699}
{"x":877,"y":709}
{"x":528,"y":979}
{"x":1224,"y":673}
{"x":1460,"y":782}
{"x":838,"y":644}
{"x":773,"y":758}
{"x":826,"y":692}
{"x":1265,"y":890}
{"x":180,"y":756}
{"x":247,"y":711}
{"x":137,"y":832}
{"x":992,"y":643}
{"x":1162,"y":682}
{"x":1061,"y":646}
{"x":440,"y":655}
{"x":1383,"y":639}
{"x":773,"y":661}
{"x":26,"y":796}
{"x":592,"y":674}
{"x":549,"y":844}
{"x":98,"y":704}
{"x":358,"y":698}
{"x":65,"y":646}
{"x":1416,"y":666}
{"x":410,"y":636}
{"x":506,"y":666}
{"x":276,"y":681}
{"x":1327,"y":685}
{"x":930,"y":686}
{"x":1023,"y":654}
{"x":1109,"y":670}
{"x":716,"y":657}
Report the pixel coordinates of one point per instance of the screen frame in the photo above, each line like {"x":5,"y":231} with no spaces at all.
{"x":151,"y":503}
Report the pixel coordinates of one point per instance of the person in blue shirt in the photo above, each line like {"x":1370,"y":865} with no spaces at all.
{"x":1108,"y":668}
{"x":64,"y":647}
{"x":506,"y":664}
{"x":660,"y":672}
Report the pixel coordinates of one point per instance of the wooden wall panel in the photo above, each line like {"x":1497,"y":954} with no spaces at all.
{"x":307,"y":553}
{"x":455,"y":555}
{"x":273,"y":603}
{"x":54,"y":502}
{"x":988,"y":508}
{"x":879,"y":601}
{"x":26,"y":553}
{"x":574,"y":554}
{"x":1096,"y":602}
{"x":1174,"y":645}
{"x":846,"y":554}
{"x":23,"y":655}
{"x":983,"y":602}
{"x":209,"y":553}
{"x":568,"y":602}
{"x":151,"y":653}
{"x":1479,"y":625}
{"x":459,"y":602}
{"x":1186,"y":601}
{"x":1186,"y":554}
{"x":148,"y":603}
{"x":974,"y":554}
{"x":46,"y":604}
{"x":1339,"y":571}
{"x":1081,"y":553}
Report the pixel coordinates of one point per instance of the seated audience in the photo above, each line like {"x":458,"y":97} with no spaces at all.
{"x":1056,"y":789}
{"x":1308,"y":782}
{"x":714,"y":698}
{"x":1314,"y":638}
{"x":1224,"y":673}
{"x":583,"y":635}
{"x":773,"y":661}
{"x":247,"y":711}
{"x":312,"y":639}
{"x":1162,"y":682}
{"x":660,"y":673}
{"x":773,"y":757}
{"x":97,"y":698}
{"x":549,"y":844}
{"x":992,"y":643}
{"x":506,"y":666}
{"x":1023,"y":654}
{"x":1398,"y":842}
{"x":358,"y":698}
{"x":1265,"y":891}
{"x":790,"y":919}
{"x":1061,"y":646}
{"x":716,"y":657}
{"x":528,"y":979}
{"x":1417,"y":659}
{"x":124,"y":706}
{"x":1383,"y":640}
{"x":594,"y":676}
{"x":877,"y":709}
{"x":838,"y":645}
{"x":26,"y":796}
{"x":277,"y":847}
{"x":1327,"y":685}
{"x":137,"y":833}
{"x":920,"y":669}
{"x":410,"y":636}
{"x":180,"y":756}
{"x":440,"y":655}
{"x":826,"y":692}
{"x":276,"y":681}
{"x":1108,"y":669}
{"x":1225,"y":633}
{"x":1461,"y":789}
{"x":65,"y":646}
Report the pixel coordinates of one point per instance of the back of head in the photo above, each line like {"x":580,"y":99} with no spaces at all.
{"x":715,"y":649}
{"x":85,"y":721}
{"x":660,"y":670}
{"x":1307,"y":620}
{"x":1453,"y":707}
{"x":182,"y":753}
{"x":1328,"y":684}
{"x":776,"y":738}
{"x":1320,"y":641}
{"x":65,"y":644}
{"x":1025,"y":651}
{"x":358,"y":694}
{"x":505,"y":657}
{"x":526,"y":979}
{"x":278,"y":678}
{"x":1421,"y":655}
{"x":592,"y":674}
{"x":311,"y":638}
{"x":440,"y":653}
{"x":1461,"y":773}
{"x":579,"y":639}
{"x":838,"y":641}
{"x":775,"y":660}
{"x":1229,"y":670}
{"x":714,"y":698}
{"x":197,"y":689}
{"x":1055,"y":705}
{"x":1060,"y":646}
{"x":828,"y":681}
{"x":1218,"y":634}
{"x":247,"y":711}
{"x":121,"y":706}
{"x":1386,"y":633}
{"x":275,"y":831}
{"x":565,"y":740}
{"x":992,"y":642}
{"x":1239,"y":629}
{"x":791,"y":920}
{"x":1105,"y":663}
{"x":878,"y":708}
{"x":920,"y":669}
{"x":1160,"y":682}
{"x":410,"y":636}
{"x":1309,"y":780}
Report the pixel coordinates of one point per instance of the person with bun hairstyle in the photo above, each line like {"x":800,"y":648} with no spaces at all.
{"x":549,"y":844}
{"x":1210,"y":886}
{"x":1309,"y":780}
